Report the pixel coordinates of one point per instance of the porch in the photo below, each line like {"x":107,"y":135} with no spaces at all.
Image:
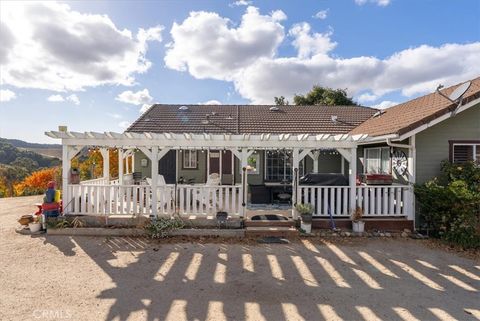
{"x":153,"y":197}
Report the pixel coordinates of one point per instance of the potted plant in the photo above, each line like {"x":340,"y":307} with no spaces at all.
{"x":306,"y":212}
{"x":36,"y":225}
{"x":358,"y":226}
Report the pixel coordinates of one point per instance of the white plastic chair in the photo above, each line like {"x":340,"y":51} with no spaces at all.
{"x":161,"y":182}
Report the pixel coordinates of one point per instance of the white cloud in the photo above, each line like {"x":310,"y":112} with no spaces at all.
{"x":144,"y":108}
{"x":209,"y":46}
{"x":322,"y":14}
{"x":211,"y":102}
{"x":7,"y":95}
{"x":135,"y":98}
{"x":382,"y":3}
{"x":240,"y":3}
{"x":124,"y":124}
{"x":308,"y":44}
{"x":56,"y":48}
{"x":74,"y":99}
{"x":56,"y":98}
{"x":385,"y":104}
{"x":59,"y":98}
{"x":366,"y":97}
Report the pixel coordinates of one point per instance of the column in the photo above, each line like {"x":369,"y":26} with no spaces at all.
{"x":154,"y":160}
{"x":353,"y":179}
{"x":120,"y":166}
{"x":411,"y":179}
{"x":66,"y":164}
{"x":106,"y":164}
{"x":295,"y":177}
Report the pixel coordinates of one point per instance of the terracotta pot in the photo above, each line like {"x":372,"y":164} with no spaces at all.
{"x":25,"y":219}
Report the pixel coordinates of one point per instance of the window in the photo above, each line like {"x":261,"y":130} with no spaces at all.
{"x":464,"y":151}
{"x":377,"y":160}
{"x":190,"y":159}
{"x":278,"y":166}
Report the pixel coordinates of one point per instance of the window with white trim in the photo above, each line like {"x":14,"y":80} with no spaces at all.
{"x":190,"y":159}
{"x":377,"y":160}
{"x":465,"y":152}
{"x":278,"y":166}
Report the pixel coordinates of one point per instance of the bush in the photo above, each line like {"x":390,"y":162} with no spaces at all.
{"x":450,"y":204}
{"x":160,"y":227}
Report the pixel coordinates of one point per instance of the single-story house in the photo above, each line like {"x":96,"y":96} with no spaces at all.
{"x":201,"y":159}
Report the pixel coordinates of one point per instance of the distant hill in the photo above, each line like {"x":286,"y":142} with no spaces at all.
{"x":48,"y":150}
{"x":23,"y":157}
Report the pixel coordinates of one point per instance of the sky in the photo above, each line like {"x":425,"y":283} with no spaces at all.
{"x":97,"y":65}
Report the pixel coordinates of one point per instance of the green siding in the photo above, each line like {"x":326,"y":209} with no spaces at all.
{"x":199,"y":174}
{"x":432,"y":144}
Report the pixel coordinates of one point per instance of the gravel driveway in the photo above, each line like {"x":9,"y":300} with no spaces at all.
{"x":86,"y":278}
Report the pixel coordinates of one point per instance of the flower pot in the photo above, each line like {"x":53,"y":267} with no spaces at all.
{"x":358,"y":226}
{"x":306,"y":218}
{"x":34,"y":227}
{"x":307,"y":227}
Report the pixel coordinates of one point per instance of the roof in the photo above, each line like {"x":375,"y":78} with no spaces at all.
{"x":251,"y":119}
{"x":406,"y":117}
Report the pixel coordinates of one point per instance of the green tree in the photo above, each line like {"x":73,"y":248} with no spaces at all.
{"x":280,"y":101}
{"x":324,"y":96}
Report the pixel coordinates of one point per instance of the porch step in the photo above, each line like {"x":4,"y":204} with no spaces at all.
{"x":269,"y":223}
{"x":279,"y":231}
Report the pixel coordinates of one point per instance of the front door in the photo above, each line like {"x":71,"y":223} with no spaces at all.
{"x":214,"y":159}
{"x":167,"y":167}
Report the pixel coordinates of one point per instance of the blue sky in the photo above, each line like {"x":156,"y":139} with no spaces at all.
{"x":94,"y":65}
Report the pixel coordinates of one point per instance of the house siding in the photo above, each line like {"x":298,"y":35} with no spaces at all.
{"x":432,"y":144}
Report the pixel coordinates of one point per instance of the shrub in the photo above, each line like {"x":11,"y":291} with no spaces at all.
{"x":450,"y":204}
{"x":160,"y":227}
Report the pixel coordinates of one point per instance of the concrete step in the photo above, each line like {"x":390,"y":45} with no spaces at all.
{"x":269,"y":223}
{"x":280,"y":231}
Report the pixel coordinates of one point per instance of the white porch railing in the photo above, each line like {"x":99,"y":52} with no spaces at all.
{"x":326,"y":199}
{"x":203,"y":200}
{"x":116,"y":199}
{"x":96,"y":181}
{"x":375,"y":201}
{"x":389,"y":200}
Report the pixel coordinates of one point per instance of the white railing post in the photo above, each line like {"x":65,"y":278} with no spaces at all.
{"x":353,"y":179}
{"x":65,"y":174}
{"x":154,"y":180}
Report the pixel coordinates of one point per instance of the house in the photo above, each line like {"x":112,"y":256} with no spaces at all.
{"x":251,"y":159}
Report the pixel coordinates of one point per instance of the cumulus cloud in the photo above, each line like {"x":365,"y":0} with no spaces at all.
{"x":382,"y":3}
{"x":7,"y":95}
{"x":385,"y":104}
{"x":366,"y":97}
{"x":135,"y":98}
{"x":308,"y":44}
{"x":322,"y":14}
{"x":59,"y":98}
{"x":239,"y":3}
{"x":209,"y":46}
{"x":211,"y":102}
{"x":60,"y":49}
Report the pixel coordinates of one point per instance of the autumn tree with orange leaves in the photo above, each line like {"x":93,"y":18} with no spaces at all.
{"x":36,"y":183}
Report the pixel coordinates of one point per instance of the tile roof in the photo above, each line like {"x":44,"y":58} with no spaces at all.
{"x":251,"y":119}
{"x":405,"y":117}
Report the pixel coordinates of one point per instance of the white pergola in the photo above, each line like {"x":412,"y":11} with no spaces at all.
{"x":156,"y":145}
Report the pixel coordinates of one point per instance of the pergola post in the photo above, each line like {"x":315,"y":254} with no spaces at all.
{"x":106,"y":163}
{"x":353,"y":178}
{"x":120,"y":166}
{"x":66,"y":166}
{"x":411,"y":179}
{"x":295,"y":163}
{"x":68,"y":152}
{"x":315,"y":156}
{"x":154,"y":159}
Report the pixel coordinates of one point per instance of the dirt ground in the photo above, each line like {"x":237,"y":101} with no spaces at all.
{"x":87,"y":278}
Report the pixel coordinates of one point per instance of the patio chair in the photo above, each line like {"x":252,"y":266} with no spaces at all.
{"x":161,"y":182}
{"x":202,"y":194}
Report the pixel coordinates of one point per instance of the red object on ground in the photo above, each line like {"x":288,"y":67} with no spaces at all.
{"x":50,"y":206}
{"x":39,"y":211}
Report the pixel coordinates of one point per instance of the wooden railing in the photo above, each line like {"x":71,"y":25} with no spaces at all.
{"x":375,"y":201}
{"x":326,"y":199}
{"x":96,"y":181}
{"x":119,"y":199}
{"x":203,"y":200}
{"x":388,"y":200}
